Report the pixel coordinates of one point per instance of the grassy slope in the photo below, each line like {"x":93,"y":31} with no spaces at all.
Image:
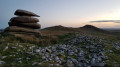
{"x":51,"y":38}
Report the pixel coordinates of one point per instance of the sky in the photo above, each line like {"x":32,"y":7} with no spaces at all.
{"x":69,"y":13}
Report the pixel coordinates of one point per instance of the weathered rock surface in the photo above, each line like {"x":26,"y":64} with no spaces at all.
{"x":24,"y":19}
{"x":20,"y":12}
{"x":23,"y":24}
{"x":21,"y":29}
{"x":27,"y":25}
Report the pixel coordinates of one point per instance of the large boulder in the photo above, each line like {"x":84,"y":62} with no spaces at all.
{"x":20,"y":29}
{"x":28,"y":25}
{"x":20,"y":12}
{"x":24,"y":19}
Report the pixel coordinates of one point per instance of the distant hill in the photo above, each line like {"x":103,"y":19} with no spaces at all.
{"x":58,"y":28}
{"x":1,"y":30}
{"x":84,"y":28}
{"x":111,"y":29}
{"x":92,"y":28}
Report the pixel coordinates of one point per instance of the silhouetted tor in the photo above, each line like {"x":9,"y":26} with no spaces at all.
{"x":24,"y":23}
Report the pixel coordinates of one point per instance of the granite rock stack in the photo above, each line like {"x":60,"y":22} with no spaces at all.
{"x":24,"y":23}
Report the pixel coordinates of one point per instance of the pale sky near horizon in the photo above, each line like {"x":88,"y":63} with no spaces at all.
{"x":69,"y":13}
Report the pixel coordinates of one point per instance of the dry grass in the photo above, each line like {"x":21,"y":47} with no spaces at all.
{"x":53,"y":33}
{"x":46,"y":39}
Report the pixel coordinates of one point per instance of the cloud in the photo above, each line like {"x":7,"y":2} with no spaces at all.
{"x":114,"y":21}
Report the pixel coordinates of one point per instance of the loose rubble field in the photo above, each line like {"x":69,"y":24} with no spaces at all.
{"x":75,"y":51}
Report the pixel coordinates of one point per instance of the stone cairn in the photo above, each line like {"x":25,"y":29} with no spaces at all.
{"x":24,"y":23}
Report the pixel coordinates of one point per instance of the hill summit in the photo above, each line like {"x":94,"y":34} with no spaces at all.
{"x":84,"y":28}
{"x":58,"y":27}
{"x":91,"y":28}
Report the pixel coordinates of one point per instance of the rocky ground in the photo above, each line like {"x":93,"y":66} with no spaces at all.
{"x":75,"y":51}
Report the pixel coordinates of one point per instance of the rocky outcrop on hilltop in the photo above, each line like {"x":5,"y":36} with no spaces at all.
{"x":24,"y":23}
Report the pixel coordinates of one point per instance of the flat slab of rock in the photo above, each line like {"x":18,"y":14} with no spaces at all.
{"x":20,"y":12}
{"x":24,"y":33}
{"x":28,"y":25}
{"x":24,"y":19}
{"x":20,"y":29}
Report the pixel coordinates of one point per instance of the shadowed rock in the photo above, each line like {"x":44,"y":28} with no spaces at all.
{"x":27,"y":25}
{"x":24,"y":33}
{"x":24,"y":19}
{"x":20,"y":29}
{"x":20,"y":12}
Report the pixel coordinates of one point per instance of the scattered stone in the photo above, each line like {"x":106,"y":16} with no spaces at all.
{"x":39,"y":64}
{"x":69,"y":64}
{"x":34,"y":63}
{"x":57,"y":65}
{"x":97,"y":63}
{"x":19,"y":61}
{"x":5,"y":48}
{"x":2,"y":63}
{"x":3,"y":57}
{"x":50,"y":65}
{"x":20,"y":46}
{"x":37,"y":50}
{"x":67,"y":54}
{"x":48,"y":50}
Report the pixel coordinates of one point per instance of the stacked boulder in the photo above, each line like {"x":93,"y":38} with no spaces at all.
{"x":24,"y":23}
